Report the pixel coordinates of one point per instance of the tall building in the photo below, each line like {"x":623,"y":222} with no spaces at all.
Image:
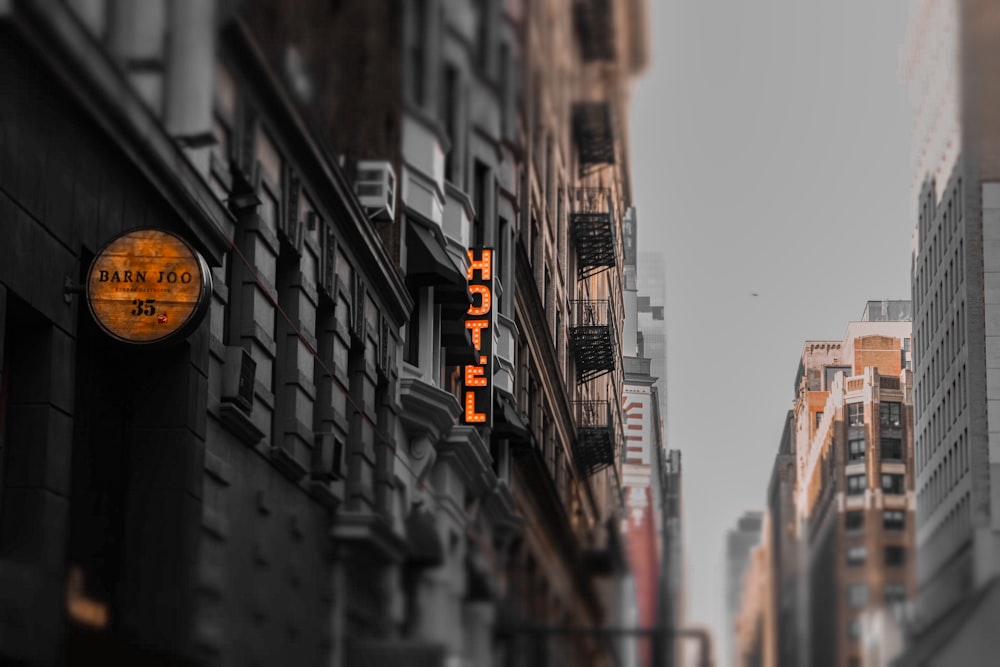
{"x":395,"y":434}
{"x":642,"y":484}
{"x":739,"y":543}
{"x":854,"y":468}
{"x":754,"y":627}
{"x":951,"y":62}
{"x":651,"y":479}
{"x":782,"y":547}
{"x":673,"y":598}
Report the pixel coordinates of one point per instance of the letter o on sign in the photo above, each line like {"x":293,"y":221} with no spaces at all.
{"x":148,"y":286}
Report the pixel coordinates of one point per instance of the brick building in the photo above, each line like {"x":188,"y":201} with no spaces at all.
{"x":853,"y":445}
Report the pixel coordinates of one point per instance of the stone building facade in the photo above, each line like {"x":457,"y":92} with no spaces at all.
{"x":297,"y":480}
{"x":951,"y":63}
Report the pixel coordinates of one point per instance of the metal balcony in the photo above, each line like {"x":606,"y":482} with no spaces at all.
{"x":594,"y":25}
{"x":593,"y":132}
{"x":591,"y":339}
{"x":592,"y":229}
{"x":594,"y":449}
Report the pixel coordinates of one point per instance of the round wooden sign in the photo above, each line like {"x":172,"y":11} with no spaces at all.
{"x":148,"y":286}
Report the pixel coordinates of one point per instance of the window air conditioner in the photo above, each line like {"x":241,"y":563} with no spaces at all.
{"x":376,"y":189}
{"x":238,"y":376}
{"x":328,"y":457}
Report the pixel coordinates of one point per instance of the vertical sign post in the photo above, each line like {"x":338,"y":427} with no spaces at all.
{"x":478,"y":377}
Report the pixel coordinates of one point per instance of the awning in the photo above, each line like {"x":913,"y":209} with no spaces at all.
{"x":456,"y":339}
{"x":425,"y":547}
{"x":427,"y":261}
{"x":507,"y":420}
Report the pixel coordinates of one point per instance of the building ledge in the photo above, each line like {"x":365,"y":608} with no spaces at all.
{"x":369,"y":531}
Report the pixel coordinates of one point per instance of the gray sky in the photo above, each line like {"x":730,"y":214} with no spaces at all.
{"x":770,"y":154}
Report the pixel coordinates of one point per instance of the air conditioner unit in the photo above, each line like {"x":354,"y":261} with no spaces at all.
{"x":328,"y":458}
{"x":376,"y":189}
{"x":238,"y":375}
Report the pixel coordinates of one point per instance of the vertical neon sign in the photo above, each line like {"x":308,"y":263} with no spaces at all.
{"x":478,"y":377}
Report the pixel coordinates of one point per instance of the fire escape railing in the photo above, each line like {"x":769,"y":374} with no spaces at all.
{"x":594,"y":449}
{"x":591,"y":219}
{"x":594,"y":25}
{"x":592,"y":339}
{"x":594,"y":134}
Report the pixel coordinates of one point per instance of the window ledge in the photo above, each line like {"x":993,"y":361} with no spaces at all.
{"x":239,"y":423}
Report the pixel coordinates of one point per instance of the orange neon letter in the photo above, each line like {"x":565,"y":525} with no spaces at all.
{"x":484,"y":265}
{"x":477,"y":326}
{"x":474,"y":376}
{"x":470,"y":408}
{"x":484,"y":304}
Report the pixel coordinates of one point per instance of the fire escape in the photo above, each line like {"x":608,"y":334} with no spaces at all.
{"x":593,"y":22}
{"x":594,"y":134}
{"x":595,"y":448}
{"x":591,"y":339}
{"x":592,"y":230}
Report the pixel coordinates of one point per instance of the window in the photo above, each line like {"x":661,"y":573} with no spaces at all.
{"x":892,"y":449}
{"x":856,"y":450}
{"x":854,"y":628}
{"x":855,"y":485}
{"x":854,"y":521}
{"x":449,"y":113}
{"x":417,"y":47}
{"x":888,"y":414}
{"x":892,"y":483}
{"x":819,"y":418}
{"x":893,"y":519}
{"x":480,"y":200}
{"x":857,"y":595}
{"x":856,"y":555}
{"x":895,"y":593}
{"x":855,"y":414}
{"x":895,"y":556}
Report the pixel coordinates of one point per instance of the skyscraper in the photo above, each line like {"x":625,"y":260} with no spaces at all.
{"x":952,"y":61}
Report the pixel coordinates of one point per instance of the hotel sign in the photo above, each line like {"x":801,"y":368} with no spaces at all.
{"x":478,"y":377}
{"x":148,"y":286}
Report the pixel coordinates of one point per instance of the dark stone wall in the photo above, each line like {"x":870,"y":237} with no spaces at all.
{"x":103,"y":444}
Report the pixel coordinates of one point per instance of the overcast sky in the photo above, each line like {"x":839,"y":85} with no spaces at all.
{"x":770,"y":155}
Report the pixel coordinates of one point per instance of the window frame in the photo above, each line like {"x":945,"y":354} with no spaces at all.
{"x":851,"y":514}
{"x":856,"y":555}
{"x":897,"y":483}
{"x":885,"y":414}
{"x":853,"y":490}
{"x":855,"y":414}
{"x":893,"y":525}
{"x":895,"y":453}
{"x":852,"y":455}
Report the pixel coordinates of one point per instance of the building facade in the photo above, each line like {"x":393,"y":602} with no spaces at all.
{"x":782,"y":546}
{"x":951,"y":60}
{"x":739,"y":543}
{"x":399,"y":206}
{"x":852,"y":421}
